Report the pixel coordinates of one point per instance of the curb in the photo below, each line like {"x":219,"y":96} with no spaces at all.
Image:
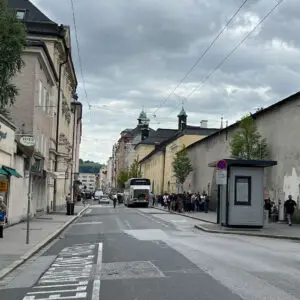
{"x":179,"y":214}
{"x":263,"y":235}
{"x":39,"y":246}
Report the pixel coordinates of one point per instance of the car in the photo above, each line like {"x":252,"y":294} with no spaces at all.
{"x":104,"y":200}
{"x":98,"y":194}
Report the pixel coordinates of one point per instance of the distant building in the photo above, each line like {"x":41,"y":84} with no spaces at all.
{"x":162,"y":148}
{"x":88,"y":180}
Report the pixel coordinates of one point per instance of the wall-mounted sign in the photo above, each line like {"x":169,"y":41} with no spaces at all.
{"x":221,"y":177}
{"x":27,"y":141}
{"x":3,"y":135}
{"x":3,"y":186}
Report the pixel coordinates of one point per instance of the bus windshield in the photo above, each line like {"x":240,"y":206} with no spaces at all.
{"x":140,"y":194}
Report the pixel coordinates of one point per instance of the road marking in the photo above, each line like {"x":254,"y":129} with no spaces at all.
{"x":69,"y":273}
{"x":61,"y":285}
{"x":127,"y":224}
{"x":88,"y":211}
{"x":97,"y":282}
{"x":87,"y":223}
{"x":152,"y":219}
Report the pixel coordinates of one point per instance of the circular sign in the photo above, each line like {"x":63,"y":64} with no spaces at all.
{"x":221,"y":164}
{"x":27,"y":141}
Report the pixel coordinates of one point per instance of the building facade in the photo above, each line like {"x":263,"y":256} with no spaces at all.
{"x":89,"y":180}
{"x":277,"y":123}
{"x":157,"y":165}
{"x":44,"y":107}
{"x":109,"y":177}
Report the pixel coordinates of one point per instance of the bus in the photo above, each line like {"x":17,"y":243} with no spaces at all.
{"x":137,"y":192}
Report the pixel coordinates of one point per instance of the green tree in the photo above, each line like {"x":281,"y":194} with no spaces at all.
{"x":123,"y":176}
{"x":12,"y":44}
{"x":247,"y":143}
{"x":135,"y":170}
{"x":182,"y":166}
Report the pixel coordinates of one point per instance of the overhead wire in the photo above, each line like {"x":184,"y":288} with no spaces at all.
{"x":231,"y":52}
{"x":79,"y":54}
{"x":201,"y":56}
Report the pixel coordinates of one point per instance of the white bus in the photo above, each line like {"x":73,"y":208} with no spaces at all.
{"x":137,"y":192}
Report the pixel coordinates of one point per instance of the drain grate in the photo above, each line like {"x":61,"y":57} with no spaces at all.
{"x":129,"y":270}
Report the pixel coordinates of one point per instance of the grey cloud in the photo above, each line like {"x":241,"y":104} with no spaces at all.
{"x":136,"y":51}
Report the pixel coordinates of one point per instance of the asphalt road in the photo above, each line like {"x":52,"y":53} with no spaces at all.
{"x":141,"y":254}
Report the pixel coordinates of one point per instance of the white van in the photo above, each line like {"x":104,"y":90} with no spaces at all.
{"x":98,"y":194}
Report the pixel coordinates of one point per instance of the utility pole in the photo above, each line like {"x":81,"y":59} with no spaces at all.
{"x":29,"y":196}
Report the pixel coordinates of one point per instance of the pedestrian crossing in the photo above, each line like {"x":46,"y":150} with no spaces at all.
{"x":70,"y":276}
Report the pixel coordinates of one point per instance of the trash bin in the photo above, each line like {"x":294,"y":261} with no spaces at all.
{"x":69,"y":208}
{"x":72,"y":205}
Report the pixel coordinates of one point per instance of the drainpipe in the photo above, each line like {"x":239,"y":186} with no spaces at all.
{"x":75,"y":97}
{"x":57,"y":125}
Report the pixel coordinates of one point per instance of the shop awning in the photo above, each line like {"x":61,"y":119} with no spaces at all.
{"x":12,"y":172}
{"x":3,"y":172}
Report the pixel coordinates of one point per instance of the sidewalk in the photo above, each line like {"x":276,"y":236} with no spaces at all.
{"x":208,"y":223}
{"x":210,"y":217}
{"x":13,"y":248}
{"x":271,"y":230}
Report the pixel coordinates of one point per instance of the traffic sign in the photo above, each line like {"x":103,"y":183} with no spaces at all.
{"x":221,"y":177}
{"x":221,"y":165}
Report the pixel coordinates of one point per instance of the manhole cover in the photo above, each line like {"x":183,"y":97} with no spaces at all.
{"x":128,"y":270}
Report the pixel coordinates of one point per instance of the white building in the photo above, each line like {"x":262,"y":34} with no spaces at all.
{"x":88,"y":180}
{"x":109,"y":175}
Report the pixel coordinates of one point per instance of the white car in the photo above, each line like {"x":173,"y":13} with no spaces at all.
{"x":98,"y":194}
{"x":104,"y":199}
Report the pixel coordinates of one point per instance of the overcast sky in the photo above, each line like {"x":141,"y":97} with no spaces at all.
{"x":134,"y":52}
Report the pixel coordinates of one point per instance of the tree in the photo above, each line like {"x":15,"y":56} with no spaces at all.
{"x":247,"y":143}
{"x":12,"y":43}
{"x":135,"y":170}
{"x":182,"y":166}
{"x":123,"y":176}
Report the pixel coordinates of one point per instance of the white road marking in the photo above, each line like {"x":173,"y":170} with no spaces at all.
{"x":126,"y":222}
{"x":97,"y":282}
{"x":152,"y":219}
{"x":69,"y":273}
{"x":87,"y":223}
{"x":78,"y":289}
{"x":61,"y":285}
{"x":88,"y":211}
{"x":58,"y":297}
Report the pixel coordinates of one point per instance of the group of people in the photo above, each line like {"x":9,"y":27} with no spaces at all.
{"x":186,"y":202}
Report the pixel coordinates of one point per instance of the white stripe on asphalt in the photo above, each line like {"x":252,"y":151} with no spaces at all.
{"x":61,"y":285}
{"x":97,"y":282}
{"x":59,"y":297}
{"x":78,"y":289}
{"x":87,"y":223}
{"x":88,"y":211}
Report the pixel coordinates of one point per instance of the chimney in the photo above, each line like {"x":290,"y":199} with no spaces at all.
{"x":203,"y":124}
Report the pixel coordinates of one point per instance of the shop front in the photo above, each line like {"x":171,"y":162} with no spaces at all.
{"x":7,"y":152}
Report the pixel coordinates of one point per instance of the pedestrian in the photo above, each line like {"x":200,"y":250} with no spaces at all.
{"x":289,"y":206}
{"x":2,"y":215}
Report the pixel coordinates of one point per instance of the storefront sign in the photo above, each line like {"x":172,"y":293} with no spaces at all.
{"x":27,"y":141}
{"x":3,"y":135}
{"x":3,"y":186}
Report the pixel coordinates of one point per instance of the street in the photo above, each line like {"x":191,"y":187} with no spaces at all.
{"x":137,"y":254}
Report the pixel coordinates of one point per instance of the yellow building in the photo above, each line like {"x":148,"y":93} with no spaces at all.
{"x":156,"y":164}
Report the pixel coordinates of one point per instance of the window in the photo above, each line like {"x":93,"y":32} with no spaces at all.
{"x":42,"y":144}
{"x":44,"y":99}
{"x":242,"y":190}
{"x":47,"y":102}
{"x":45,"y":146}
{"x":20,"y":14}
{"x":40,"y":93}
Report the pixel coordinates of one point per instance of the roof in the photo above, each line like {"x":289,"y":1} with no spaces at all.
{"x":158,"y":136}
{"x":259,"y":113}
{"x":189,"y":130}
{"x":33,"y":14}
{"x":246,"y":163}
{"x":182,"y":113}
